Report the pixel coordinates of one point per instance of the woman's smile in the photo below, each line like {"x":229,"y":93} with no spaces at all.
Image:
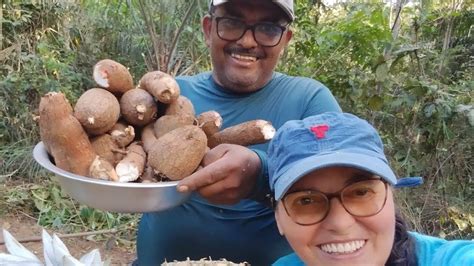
{"x":342,"y":247}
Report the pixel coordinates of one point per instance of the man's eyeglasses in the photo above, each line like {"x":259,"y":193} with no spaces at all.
{"x":265,"y":33}
{"x":361,"y":199}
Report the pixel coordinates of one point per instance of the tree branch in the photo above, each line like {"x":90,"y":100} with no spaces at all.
{"x":178,"y":33}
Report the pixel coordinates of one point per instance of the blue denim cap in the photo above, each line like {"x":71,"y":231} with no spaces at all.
{"x":285,"y":5}
{"x":330,"y":139}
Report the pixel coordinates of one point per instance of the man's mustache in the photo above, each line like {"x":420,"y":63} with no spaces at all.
{"x":243,"y":51}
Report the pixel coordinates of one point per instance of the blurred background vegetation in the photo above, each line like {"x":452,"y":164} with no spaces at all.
{"x":406,"y":66}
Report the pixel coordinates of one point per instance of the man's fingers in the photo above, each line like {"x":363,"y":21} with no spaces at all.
{"x":213,"y":193}
{"x":185,"y":188}
{"x":201,"y":178}
{"x":214,"y":155}
{"x":208,"y":173}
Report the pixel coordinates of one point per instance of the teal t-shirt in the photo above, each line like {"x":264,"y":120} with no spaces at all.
{"x":430,"y":251}
{"x":245,"y":231}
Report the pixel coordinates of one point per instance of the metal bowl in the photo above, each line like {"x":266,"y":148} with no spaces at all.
{"x":113,"y":196}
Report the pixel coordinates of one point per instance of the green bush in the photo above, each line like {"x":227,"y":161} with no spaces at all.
{"x":417,"y":93}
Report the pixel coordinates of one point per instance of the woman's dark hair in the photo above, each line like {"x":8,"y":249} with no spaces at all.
{"x":404,"y":249}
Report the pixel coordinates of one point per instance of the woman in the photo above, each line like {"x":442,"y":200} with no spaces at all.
{"x":334,"y":201}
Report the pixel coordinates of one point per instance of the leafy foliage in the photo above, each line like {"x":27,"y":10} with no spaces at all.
{"x":415,"y":89}
{"x":40,"y":61}
{"x":53,"y":208}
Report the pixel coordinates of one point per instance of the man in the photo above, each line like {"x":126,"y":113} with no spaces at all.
{"x":225,"y":219}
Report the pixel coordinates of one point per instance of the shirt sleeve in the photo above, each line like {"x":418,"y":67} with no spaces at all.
{"x":437,"y":251}
{"x":456,"y":252}
{"x":262,"y":191}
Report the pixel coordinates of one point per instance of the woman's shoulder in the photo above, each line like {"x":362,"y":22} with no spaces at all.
{"x":289,"y":260}
{"x":437,"y":251}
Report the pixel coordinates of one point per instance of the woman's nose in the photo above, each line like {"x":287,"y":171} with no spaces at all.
{"x":338,"y":219}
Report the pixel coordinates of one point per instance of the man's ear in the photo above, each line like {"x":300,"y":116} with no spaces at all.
{"x":288,"y":35}
{"x":206,"y":28}
{"x":286,"y":40}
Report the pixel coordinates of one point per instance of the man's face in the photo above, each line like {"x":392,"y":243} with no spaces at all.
{"x":244,"y":65}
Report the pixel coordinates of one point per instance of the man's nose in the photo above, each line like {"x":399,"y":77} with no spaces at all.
{"x":247,"y":40}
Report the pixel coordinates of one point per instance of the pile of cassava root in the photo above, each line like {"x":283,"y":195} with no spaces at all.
{"x":144,"y":133}
{"x":204,"y":262}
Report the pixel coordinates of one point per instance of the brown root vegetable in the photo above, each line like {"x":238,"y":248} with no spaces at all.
{"x":178,"y":153}
{"x":148,"y":176}
{"x":97,"y":110}
{"x":56,"y":106}
{"x":122,"y":133}
{"x":132,"y":165}
{"x":245,"y":134}
{"x":102,"y":169}
{"x":63,"y":135}
{"x":105,"y":146}
{"x":182,"y":106}
{"x":167,"y":123}
{"x":138,"y":107}
{"x":203,"y":262}
{"x":210,"y":122}
{"x":113,"y":76}
{"x":162,"y":86}
{"x":148,"y":137}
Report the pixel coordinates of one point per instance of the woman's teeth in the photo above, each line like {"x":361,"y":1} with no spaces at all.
{"x":244,"y":57}
{"x":347,"y":247}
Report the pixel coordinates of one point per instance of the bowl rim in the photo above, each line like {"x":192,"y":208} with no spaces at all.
{"x":41,"y":156}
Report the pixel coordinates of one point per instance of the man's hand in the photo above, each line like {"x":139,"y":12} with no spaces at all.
{"x":228,"y":174}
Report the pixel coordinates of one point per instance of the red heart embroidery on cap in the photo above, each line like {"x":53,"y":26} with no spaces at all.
{"x":320,"y":130}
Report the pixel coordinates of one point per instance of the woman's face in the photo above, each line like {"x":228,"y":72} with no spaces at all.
{"x":341,"y":238}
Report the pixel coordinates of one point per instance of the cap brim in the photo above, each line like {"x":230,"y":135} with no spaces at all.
{"x":218,"y":2}
{"x":363,"y":162}
{"x":287,"y":11}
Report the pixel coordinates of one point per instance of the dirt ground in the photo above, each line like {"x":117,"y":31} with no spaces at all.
{"x":24,"y":227}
